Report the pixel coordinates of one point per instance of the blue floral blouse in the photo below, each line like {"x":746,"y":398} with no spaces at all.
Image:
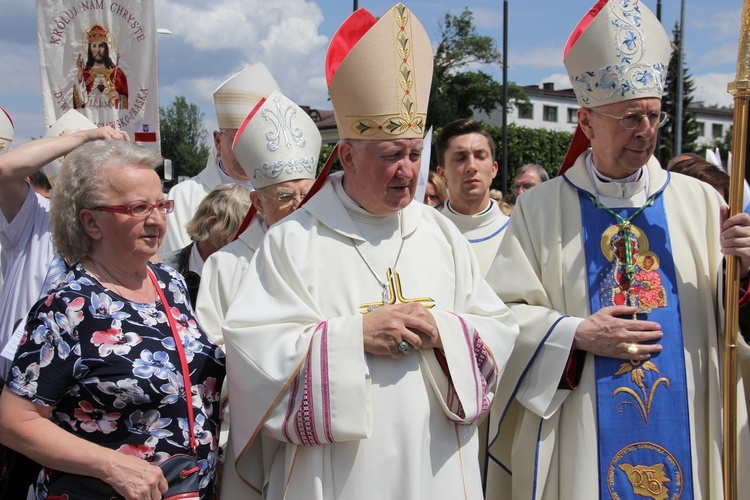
{"x":110,"y":369}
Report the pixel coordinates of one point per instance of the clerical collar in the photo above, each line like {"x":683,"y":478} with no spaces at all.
{"x":228,"y":179}
{"x":478,"y":215}
{"x":631,"y":191}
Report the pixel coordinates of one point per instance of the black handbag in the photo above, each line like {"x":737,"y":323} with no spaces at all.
{"x":181,"y":473}
{"x":75,"y":487}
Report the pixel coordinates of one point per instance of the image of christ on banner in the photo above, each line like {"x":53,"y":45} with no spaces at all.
{"x":100,"y":82}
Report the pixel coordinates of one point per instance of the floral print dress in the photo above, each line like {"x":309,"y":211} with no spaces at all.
{"x":110,"y":369}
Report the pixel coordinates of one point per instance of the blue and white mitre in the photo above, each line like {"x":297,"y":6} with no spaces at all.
{"x":617,"y":52}
{"x":6,"y":131}
{"x":277,"y":142}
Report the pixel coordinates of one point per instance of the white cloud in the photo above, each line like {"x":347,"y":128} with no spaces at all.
{"x":488,"y":19}
{"x":711,"y":88}
{"x":720,"y":25}
{"x":560,"y":80}
{"x":283,"y":34}
{"x":543,"y":56}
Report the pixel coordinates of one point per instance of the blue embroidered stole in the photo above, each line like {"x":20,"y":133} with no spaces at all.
{"x":642,"y":411}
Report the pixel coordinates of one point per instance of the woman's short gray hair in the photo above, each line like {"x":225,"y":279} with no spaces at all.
{"x":82,"y":183}
{"x":228,"y":203}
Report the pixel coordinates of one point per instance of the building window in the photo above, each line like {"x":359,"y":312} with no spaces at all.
{"x":701,"y":129}
{"x":572,"y":115}
{"x":550,"y":114}
{"x":526,"y":111}
{"x":717,"y":131}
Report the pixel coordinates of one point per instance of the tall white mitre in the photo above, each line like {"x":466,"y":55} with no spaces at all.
{"x":236,"y":97}
{"x":69,"y":123}
{"x":617,"y":52}
{"x":277,"y":142}
{"x":6,"y":131}
{"x":379,"y":73}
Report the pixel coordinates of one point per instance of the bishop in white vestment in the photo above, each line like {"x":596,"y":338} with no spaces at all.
{"x":364,"y":345}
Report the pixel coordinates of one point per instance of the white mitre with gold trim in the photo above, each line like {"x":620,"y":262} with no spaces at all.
{"x":617,"y":52}
{"x":69,"y":123}
{"x":6,"y":131}
{"x":236,"y":97}
{"x":379,"y":73}
{"x":278,"y":142}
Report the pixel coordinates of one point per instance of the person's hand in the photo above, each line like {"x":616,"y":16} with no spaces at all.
{"x":106,"y":133}
{"x":386,"y":327}
{"x":735,"y":238}
{"x":608,"y":333}
{"x":79,"y":67}
{"x":135,"y":478}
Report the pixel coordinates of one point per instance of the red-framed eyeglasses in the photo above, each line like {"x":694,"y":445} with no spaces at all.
{"x":139,"y":208}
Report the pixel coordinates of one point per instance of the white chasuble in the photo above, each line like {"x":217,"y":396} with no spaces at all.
{"x":540,"y":271}
{"x":350,"y":425}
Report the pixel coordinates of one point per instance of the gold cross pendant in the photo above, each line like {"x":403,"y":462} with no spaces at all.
{"x":395,"y":293}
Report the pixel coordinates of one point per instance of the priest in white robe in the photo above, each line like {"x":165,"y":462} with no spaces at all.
{"x":364,"y":343}
{"x":614,"y":270}
{"x":233,"y":100}
{"x":466,"y":157}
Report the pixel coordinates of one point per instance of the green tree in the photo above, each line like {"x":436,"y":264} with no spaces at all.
{"x":456,"y":93}
{"x":183,"y":137}
{"x":690,"y":126}
{"x":531,"y":145}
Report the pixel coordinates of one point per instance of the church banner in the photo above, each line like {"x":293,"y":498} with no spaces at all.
{"x":99,"y":58}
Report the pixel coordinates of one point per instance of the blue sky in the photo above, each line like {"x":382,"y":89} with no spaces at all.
{"x":213,"y":40}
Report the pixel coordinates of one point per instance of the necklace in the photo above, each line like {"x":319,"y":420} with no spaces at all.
{"x":112,"y":280}
{"x":383,"y":285}
{"x":625,"y":226}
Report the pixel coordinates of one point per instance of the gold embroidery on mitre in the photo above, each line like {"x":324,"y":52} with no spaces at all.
{"x":408,"y":117}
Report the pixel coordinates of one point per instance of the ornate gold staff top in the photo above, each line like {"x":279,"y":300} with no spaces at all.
{"x":740,"y":89}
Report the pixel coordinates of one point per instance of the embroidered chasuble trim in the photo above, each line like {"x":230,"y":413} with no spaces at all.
{"x":291,"y":381}
{"x":642,"y":407}
{"x":520,"y":380}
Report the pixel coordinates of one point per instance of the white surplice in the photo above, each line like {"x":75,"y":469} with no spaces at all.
{"x":540,"y":272}
{"x":484,"y":231}
{"x":351,"y":425}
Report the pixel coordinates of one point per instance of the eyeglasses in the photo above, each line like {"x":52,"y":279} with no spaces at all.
{"x":288,"y":198}
{"x":139,"y":208}
{"x":525,"y":186}
{"x":631,"y":121}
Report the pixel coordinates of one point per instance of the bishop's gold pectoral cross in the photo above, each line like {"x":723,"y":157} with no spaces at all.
{"x":392,"y":293}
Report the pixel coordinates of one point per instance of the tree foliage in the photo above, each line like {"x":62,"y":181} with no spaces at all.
{"x":455,"y":92}
{"x":690,"y":126}
{"x":530,"y":145}
{"x":183,"y":137}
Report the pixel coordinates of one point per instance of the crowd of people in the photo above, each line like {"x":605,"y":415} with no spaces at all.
{"x":561,"y":342}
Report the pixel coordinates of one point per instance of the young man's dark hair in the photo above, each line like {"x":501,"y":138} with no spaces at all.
{"x":455,"y":128}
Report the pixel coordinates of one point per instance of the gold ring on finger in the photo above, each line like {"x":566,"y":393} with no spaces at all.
{"x":633,"y":348}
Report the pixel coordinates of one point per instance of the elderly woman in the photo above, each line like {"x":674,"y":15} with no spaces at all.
{"x":96,"y":392}
{"x":214,"y":224}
